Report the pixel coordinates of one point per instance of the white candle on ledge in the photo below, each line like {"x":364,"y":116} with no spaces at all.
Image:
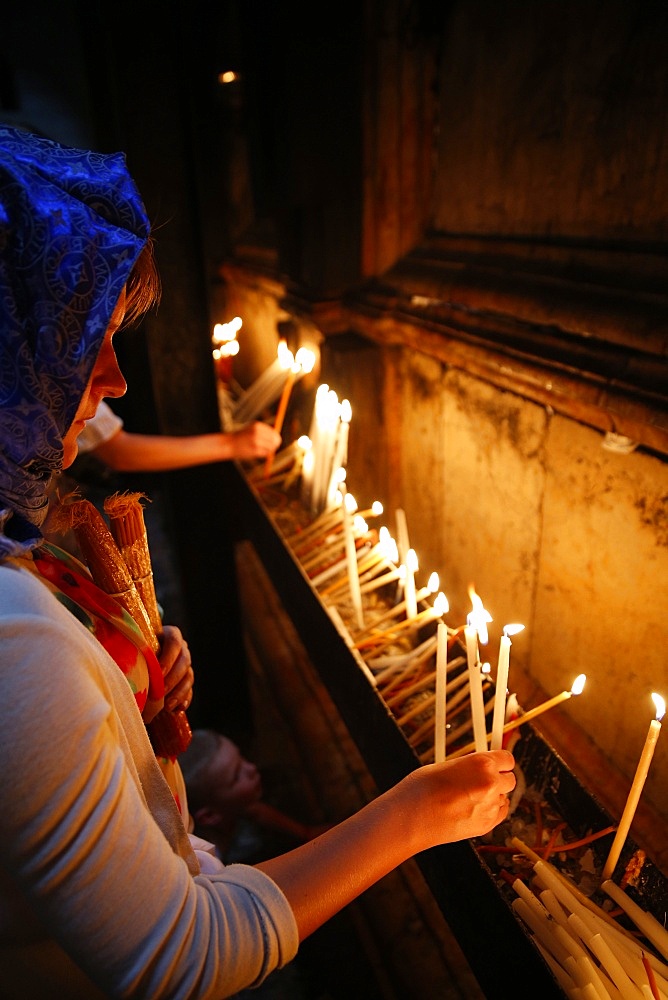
{"x":351,"y":555}
{"x":409,"y":583}
{"x":340,"y":456}
{"x":501,"y":690}
{"x":636,"y":788}
{"x":441,"y":684}
{"x":475,"y":687}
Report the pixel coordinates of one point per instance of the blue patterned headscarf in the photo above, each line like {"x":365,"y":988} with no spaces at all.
{"x":72,"y":225}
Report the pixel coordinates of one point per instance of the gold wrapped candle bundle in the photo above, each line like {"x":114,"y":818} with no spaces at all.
{"x":126,"y":521}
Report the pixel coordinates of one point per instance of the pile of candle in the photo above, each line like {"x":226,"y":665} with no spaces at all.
{"x":591,"y":955}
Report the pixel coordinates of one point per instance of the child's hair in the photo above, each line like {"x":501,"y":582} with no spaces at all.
{"x":196,"y":764}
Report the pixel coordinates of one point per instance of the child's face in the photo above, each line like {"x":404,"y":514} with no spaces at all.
{"x":237,"y":781}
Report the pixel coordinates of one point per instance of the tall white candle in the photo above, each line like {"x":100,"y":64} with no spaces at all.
{"x":636,"y":788}
{"x":441,"y":682}
{"x":644,"y":921}
{"x":340,"y":457}
{"x":409,"y":583}
{"x":475,"y":688}
{"x":499,"y":716}
{"x":408,"y":559}
{"x":351,"y":558}
{"x":266,"y":388}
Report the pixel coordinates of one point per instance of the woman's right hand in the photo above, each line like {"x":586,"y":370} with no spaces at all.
{"x":435,"y":804}
{"x":461,"y":798}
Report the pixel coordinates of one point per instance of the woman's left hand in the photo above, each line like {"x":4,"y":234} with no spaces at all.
{"x":177,"y":668}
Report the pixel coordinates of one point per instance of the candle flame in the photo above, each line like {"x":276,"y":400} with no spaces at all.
{"x":305,"y":359}
{"x":441,"y":606}
{"x":359,"y":525}
{"x":578,"y":684}
{"x":226,"y":332}
{"x":660,"y":704}
{"x":432,"y":583}
{"x":485,"y":668}
{"x":304,"y":442}
{"x":412,"y":560}
{"x":512,"y":629}
{"x":387,"y":544}
{"x":346,"y":411}
{"x":230,"y":348}
{"x":285,"y":356}
{"x":327,"y":408}
{"x":478,"y":616}
{"x":376,"y":508}
{"x":350,"y":502}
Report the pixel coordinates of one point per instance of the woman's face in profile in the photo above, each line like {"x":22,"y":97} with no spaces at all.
{"x":106,"y":380}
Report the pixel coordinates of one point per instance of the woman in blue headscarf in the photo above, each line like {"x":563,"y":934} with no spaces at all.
{"x":102,"y":892}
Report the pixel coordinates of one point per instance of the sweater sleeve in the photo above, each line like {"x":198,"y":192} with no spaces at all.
{"x":81,"y":841}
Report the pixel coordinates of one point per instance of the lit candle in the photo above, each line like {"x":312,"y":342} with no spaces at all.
{"x":475,"y":687}
{"x":303,"y":362}
{"x":636,"y":787}
{"x":340,"y":457}
{"x":351,"y":557}
{"x":404,"y":547}
{"x":501,"y":691}
{"x":327,"y":417}
{"x":266,"y":388}
{"x":409,"y":583}
{"x":577,"y":688}
{"x":441,"y":681}
{"x":226,"y":346}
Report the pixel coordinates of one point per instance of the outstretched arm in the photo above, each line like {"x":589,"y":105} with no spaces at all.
{"x":128,"y":452}
{"x":435,"y":804}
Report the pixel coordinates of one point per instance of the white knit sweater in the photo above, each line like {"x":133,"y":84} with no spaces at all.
{"x":100,"y":890}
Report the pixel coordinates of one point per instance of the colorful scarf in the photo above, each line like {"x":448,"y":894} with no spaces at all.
{"x":71,"y":583}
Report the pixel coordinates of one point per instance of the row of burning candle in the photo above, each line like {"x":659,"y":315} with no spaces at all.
{"x":369,"y":566}
{"x":319,"y":459}
{"x":582,"y":949}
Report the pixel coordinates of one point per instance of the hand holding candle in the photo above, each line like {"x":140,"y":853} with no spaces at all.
{"x":636,"y":788}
